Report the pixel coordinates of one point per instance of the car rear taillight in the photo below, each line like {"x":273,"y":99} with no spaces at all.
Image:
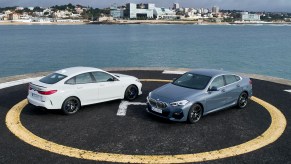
{"x":251,"y":83}
{"x":47,"y":92}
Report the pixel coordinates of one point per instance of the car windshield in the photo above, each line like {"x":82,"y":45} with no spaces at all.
{"x":193,"y":81}
{"x":52,"y":78}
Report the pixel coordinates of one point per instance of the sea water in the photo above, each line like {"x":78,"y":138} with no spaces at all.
{"x":263,"y":49}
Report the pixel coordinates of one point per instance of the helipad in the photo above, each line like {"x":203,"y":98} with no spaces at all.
{"x":98,"y":133}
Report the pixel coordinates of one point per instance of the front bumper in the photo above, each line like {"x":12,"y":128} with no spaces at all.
{"x":139,"y":86}
{"x":171,"y":113}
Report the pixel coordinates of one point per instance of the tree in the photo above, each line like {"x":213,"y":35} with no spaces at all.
{"x":37,"y":9}
{"x":70,"y":6}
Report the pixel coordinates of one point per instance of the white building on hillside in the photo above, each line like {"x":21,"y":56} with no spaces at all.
{"x":62,"y":14}
{"x":135,"y":11}
{"x":116,"y":12}
{"x":25,"y":16}
{"x":164,"y":13}
{"x":19,"y":8}
{"x":245,"y":16}
{"x":176,"y":6}
{"x":7,"y":12}
{"x":13,"y":16}
{"x":215,"y":9}
{"x":2,"y":16}
{"x":37,"y":14}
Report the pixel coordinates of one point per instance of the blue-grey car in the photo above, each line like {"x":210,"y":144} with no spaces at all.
{"x":197,"y":93}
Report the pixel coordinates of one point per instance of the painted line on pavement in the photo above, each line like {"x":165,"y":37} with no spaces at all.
{"x":124,"y":104}
{"x":275,"y":130}
{"x":123,"y":107}
{"x":17,"y":82}
{"x":288,"y":90}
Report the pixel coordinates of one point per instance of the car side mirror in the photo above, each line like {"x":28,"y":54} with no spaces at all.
{"x":111,"y":79}
{"x":213,"y":88}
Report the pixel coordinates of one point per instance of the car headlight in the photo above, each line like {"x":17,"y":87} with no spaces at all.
{"x":179,"y":103}
{"x":137,"y":80}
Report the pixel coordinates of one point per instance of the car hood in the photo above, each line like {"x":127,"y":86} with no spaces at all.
{"x":171,"y":93}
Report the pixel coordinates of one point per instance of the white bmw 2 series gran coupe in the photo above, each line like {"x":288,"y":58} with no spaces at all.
{"x":69,"y":89}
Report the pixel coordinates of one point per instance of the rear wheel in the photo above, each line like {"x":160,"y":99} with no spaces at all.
{"x":242,"y":100}
{"x":71,"y":105}
{"x":131,"y":92}
{"x":195,"y":113}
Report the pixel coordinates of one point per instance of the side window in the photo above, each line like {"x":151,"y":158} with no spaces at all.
{"x":217,"y":82}
{"x":237,"y":78}
{"x":71,"y":81}
{"x":84,"y":78}
{"x":102,"y":77}
{"x":229,"y":79}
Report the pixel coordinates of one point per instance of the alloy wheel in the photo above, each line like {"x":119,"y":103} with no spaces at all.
{"x":71,"y":106}
{"x":131,"y":92}
{"x":243,"y":100}
{"x":195,"y":113}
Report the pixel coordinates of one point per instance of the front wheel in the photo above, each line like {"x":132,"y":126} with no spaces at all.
{"x":71,"y":105}
{"x":131,"y":92}
{"x":242,"y":100}
{"x":195,"y":113}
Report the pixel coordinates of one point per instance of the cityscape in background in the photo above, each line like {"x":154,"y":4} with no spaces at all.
{"x":132,"y":12}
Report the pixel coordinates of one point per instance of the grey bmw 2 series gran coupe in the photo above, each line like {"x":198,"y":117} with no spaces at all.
{"x":197,"y":93}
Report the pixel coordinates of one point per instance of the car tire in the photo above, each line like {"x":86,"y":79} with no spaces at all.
{"x":195,"y":113}
{"x":131,"y":93}
{"x":242,"y":100}
{"x":71,"y":105}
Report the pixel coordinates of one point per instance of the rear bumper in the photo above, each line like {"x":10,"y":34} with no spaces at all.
{"x":46,"y":104}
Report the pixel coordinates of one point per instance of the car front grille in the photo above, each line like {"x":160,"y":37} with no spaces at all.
{"x":165,"y":112}
{"x":157,"y":104}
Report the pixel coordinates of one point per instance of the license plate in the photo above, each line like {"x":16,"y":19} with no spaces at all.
{"x":35,"y":95}
{"x":157,"y":110}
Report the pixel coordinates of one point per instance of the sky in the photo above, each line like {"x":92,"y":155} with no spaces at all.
{"x":247,"y":5}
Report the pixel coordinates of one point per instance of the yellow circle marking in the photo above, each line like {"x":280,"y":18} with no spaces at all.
{"x":274,"y":131}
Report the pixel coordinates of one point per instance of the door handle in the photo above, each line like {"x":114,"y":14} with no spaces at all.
{"x":79,"y":87}
{"x":238,"y":85}
{"x":222,"y":90}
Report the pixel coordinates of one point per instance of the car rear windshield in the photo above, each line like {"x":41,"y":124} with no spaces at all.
{"x":52,"y":78}
{"x":193,"y":81}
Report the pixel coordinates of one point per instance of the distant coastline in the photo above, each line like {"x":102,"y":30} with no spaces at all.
{"x":41,"y":23}
{"x":158,"y":22}
{"x":140,"y":22}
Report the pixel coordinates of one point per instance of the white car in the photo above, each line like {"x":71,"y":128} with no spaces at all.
{"x":69,"y":89}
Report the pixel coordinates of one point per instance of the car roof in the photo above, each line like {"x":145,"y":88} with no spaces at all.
{"x":77,"y":70}
{"x":209,"y":72}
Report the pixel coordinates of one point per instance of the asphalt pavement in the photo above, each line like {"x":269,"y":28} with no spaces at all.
{"x":97,"y":128}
